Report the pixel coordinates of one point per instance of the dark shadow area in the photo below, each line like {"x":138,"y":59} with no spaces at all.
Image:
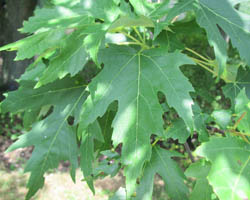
{"x":12,"y":15}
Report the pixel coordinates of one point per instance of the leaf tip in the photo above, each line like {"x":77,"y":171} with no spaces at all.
{"x":9,"y":149}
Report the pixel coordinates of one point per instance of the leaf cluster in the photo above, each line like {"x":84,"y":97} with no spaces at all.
{"x":114,"y":81}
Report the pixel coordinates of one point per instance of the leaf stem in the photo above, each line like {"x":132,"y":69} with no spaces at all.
{"x":128,"y":43}
{"x":197,"y":61}
{"x":137,"y":42}
{"x":238,"y":121}
{"x":197,"y":54}
{"x":243,"y":136}
{"x":131,"y":37}
{"x":189,"y":152}
{"x":155,"y":142}
{"x":137,"y":32}
{"x":144,"y":35}
{"x":203,"y":62}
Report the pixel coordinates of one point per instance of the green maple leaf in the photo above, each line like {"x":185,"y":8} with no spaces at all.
{"x":54,"y":139}
{"x":129,"y":76}
{"x":207,"y":19}
{"x":71,"y":59}
{"x":158,"y":15}
{"x":87,"y":151}
{"x":222,"y":13}
{"x":33,"y":72}
{"x":162,"y":164}
{"x":178,"y":131}
{"x":153,"y":10}
{"x":36,"y":44}
{"x":244,"y":6}
{"x":106,"y":10}
{"x":64,"y":2}
{"x":222,"y":117}
{"x":202,"y":189}
{"x":209,"y":14}
{"x":26,"y":97}
{"x":242,"y":108}
{"x":181,"y":6}
{"x":229,"y":174}
{"x":148,"y":15}
{"x":51,"y":146}
{"x":169,"y":40}
{"x":30,"y":117}
{"x":105,"y":123}
{"x":108,"y":167}
{"x":93,"y":40}
{"x":200,"y":123}
{"x":55,"y":18}
{"x":131,"y":21}
{"x":231,"y":90}
{"x":144,"y":7}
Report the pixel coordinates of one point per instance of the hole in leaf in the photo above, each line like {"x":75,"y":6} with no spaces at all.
{"x":46,"y":111}
{"x":71,"y":120}
{"x":223,"y":33}
{"x":237,"y":6}
{"x":99,"y":21}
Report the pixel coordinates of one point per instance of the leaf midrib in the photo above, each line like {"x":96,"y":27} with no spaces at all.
{"x":160,"y":69}
{"x":57,"y":133}
{"x":166,"y":167}
{"x":225,"y":19}
{"x":228,"y":148}
{"x":48,"y":92}
{"x":239,"y":176}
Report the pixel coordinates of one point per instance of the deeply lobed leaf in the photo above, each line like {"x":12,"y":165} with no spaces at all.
{"x":162,"y":164}
{"x":67,"y":34}
{"x":128,"y":77}
{"x":54,"y":139}
{"x":229,"y":174}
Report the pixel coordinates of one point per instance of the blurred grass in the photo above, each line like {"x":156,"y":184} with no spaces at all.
{"x":59,"y":186}
{"x":12,"y":185}
{"x":58,"y":183}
